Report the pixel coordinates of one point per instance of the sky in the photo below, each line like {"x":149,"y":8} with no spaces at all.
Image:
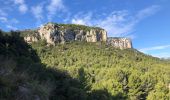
{"x":146,"y":22}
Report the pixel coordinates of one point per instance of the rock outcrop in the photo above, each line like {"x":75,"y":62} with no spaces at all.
{"x":30,"y":39}
{"x":54,"y":33}
{"x":30,"y":35}
{"x":117,"y":42}
{"x":60,"y":33}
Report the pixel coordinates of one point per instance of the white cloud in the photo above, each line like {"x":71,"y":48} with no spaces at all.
{"x":14,"y":21}
{"x":38,"y":11}
{"x":78,"y":21}
{"x":8,"y":21}
{"x":18,"y":1}
{"x":117,"y":23}
{"x":3,"y":19}
{"x":3,"y":13}
{"x":83,"y":19}
{"x":55,"y":6}
{"x":157,"y":51}
{"x":147,"y":12}
{"x":11,"y":27}
{"x":22,"y":6}
{"x":162,"y":55}
{"x":154,"y":48}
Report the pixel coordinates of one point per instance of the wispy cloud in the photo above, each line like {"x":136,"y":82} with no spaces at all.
{"x":83,"y":19}
{"x":3,"y":13}
{"x":37,"y":11}
{"x":54,"y":7}
{"x":162,"y":55}
{"x":161,"y":51}
{"x":11,"y":27}
{"x":9,"y":22}
{"x":145,"y":50}
{"x":3,"y":16}
{"x":14,"y":21}
{"x":113,"y":23}
{"x":21,"y":5}
{"x":6,"y":21}
{"x":3,"y":19}
{"x":147,"y":12}
{"x":117,"y":23}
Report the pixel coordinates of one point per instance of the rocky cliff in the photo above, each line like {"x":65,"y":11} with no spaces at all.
{"x":117,"y":42}
{"x":61,"y":33}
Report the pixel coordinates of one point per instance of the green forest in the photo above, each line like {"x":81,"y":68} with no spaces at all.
{"x":79,"y":71}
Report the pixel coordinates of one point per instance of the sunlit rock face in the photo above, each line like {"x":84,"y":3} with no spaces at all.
{"x":54,"y":33}
{"x":32,"y":36}
{"x":60,"y":33}
{"x":122,"y":43}
{"x":47,"y":33}
{"x":30,"y":39}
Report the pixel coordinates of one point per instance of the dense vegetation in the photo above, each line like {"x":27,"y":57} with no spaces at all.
{"x":28,"y":33}
{"x":71,"y":27}
{"x":76,"y":27}
{"x":79,"y":71}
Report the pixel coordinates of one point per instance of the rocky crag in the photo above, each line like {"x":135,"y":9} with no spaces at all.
{"x":117,"y":42}
{"x":60,"y":33}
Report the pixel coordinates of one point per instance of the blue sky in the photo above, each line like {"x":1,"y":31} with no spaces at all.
{"x":147,"y":23}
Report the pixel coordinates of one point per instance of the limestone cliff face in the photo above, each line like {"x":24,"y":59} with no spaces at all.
{"x":122,"y":43}
{"x":30,"y":36}
{"x":54,"y":33}
{"x":30,"y":39}
{"x":61,"y":33}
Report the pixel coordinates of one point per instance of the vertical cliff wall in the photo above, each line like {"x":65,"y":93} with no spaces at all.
{"x":57,"y":33}
{"x":61,"y":33}
{"x":117,"y":42}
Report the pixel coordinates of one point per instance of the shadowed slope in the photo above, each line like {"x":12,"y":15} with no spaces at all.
{"x":24,"y":77}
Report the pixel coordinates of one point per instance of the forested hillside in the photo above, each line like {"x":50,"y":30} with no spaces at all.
{"x":78,"y":71}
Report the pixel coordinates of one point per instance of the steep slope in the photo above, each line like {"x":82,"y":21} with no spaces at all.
{"x":24,"y":77}
{"x":125,"y":74}
{"x":79,"y":71}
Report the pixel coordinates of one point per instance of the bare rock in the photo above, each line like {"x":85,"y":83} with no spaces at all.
{"x":60,"y":33}
{"x":30,"y":39}
{"x":122,"y":43}
{"x":54,"y":33}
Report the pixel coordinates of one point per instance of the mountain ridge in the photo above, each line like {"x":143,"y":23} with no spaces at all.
{"x":78,"y":71}
{"x":54,"y":33}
